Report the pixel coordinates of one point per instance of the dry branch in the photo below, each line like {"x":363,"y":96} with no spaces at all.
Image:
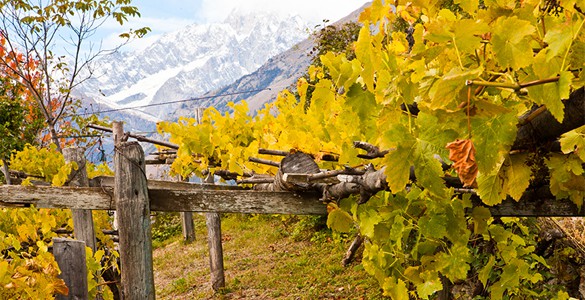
{"x":273,"y":152}
{"x":372,"y":151}
{"x":264,"y":161}
{"x":138,"y":137}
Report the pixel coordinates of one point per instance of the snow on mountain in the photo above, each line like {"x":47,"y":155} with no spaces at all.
{"x":191,"y":62}
{"x":278,"y":73}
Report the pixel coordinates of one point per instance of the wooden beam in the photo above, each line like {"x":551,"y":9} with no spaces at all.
{"x":201,"y":199}
{"x":206,"y":199}
{"x":108,"y":182}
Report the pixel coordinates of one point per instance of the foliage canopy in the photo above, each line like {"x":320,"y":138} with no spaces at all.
{"x":467,"y":73}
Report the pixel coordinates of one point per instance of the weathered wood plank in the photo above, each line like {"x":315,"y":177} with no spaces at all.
{"x":108,"y":181}
{"x":195,"y":200}
{"x":201,"y":199}
{"x":132,"y":205}
{"x":70,"y":256}
{"x":258,"y":202}
{"x":57,"y":197}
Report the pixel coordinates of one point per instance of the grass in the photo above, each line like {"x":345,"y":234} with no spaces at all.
{"x":264,"y":258}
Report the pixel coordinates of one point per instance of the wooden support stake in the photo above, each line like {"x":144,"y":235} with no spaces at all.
{"x":213,"y":222}
{"x":82,"y":219}
{"x":133,"y":207}
{"x":264,"y":161}
{"x":187,"y":223}
{"x":70,"y":256}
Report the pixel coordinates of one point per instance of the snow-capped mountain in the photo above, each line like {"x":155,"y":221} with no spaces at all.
{"x":279,"y":72}
{"x":191,"y":62}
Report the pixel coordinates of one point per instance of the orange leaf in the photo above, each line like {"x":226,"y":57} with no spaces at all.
{"x":462,"y":153}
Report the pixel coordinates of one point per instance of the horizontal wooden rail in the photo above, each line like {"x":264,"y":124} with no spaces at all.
{"x":195,"y":200}
{"x":183,"y":196}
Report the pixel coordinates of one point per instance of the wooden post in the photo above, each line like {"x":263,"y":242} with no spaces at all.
{"x":118,"y":134}
{"x":70,"y":256}
{"x":187,"y":223}
{"x":82,"y":219}
{"x":133,"y":207}
{"x":213,"y":222}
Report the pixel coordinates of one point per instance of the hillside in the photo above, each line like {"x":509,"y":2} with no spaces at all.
{"x":265,"y":258}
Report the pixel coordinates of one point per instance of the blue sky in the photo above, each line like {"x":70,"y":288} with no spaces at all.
{"x":169,"y":15}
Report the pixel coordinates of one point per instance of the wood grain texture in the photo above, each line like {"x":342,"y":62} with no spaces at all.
{"x":534,"y":203}
{"x":70,"y":256}
{"x":132,"y":205}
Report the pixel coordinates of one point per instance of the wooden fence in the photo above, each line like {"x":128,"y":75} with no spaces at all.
{"x":134,"y":197}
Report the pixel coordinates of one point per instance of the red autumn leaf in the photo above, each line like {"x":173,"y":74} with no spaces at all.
{"x":462,"y":154}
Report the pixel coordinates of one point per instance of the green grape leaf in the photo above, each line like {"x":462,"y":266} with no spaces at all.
{"x":432,"y":284}
{"x":558,"y":40}
{"x":566,"y":177}
{"x":399,"y":160}
{"x":490,"y":186}
{"x":433,"y":225}
{"x":480,"y":216}
{"x":511,"y":42}
{"x":492,"y":137}
{"x":428,"y":170}
{"x":444,"y":93}
{"x":455,"y":263}
{"x":339,"y":220}
{"x":368,"y":219}
{"x":484,"y":273}
{"x":362,"y":102}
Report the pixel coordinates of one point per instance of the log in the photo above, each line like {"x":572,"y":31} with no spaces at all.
{"x":298,"y":163}
{"x":132,"y":204}
{"x":70,"y":256}
{"x":82,"y":219}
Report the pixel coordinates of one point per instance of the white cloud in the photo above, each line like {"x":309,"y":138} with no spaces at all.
{"x":158,"y":27}
{"x":208,"y":11}
{"x":310,"y":10}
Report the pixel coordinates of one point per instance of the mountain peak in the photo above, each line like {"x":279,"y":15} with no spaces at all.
{"x":192,"y":61}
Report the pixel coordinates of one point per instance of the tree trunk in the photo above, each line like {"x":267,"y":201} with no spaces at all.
{"x":297,"y":162}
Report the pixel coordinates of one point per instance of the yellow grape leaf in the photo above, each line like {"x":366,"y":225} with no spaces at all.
{"x":339,"y":220}
{"x":517,"y":176}
{"x":395,"y":288}
{"x":511,"y":42}
{"x":574,"y":141}
{"x":462,"y":154}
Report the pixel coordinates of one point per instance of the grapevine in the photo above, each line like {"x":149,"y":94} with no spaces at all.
{"x":471,"y":71}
